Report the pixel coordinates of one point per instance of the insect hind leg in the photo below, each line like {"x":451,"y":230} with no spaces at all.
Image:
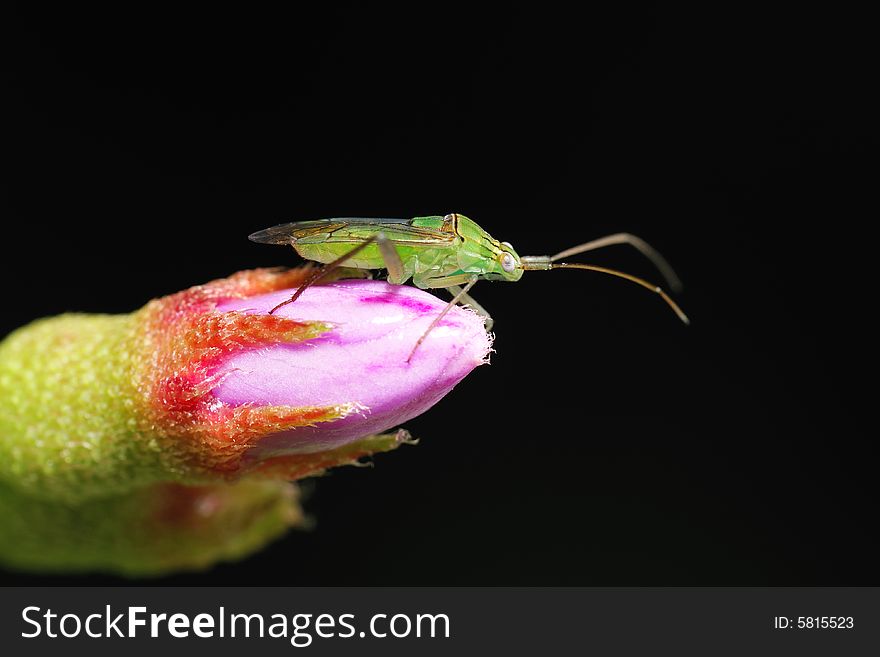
{"x":323,"y":271}
{"x":396,"y":271}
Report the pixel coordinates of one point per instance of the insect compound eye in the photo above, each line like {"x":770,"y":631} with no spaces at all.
{"x":507,"y":263}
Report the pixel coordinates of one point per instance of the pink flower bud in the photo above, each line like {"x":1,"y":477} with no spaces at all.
{"x":360,"y":364}
{"x":231,"y":389}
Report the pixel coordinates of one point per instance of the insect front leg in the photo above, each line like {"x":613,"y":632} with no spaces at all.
{"x":462,"y":292}
{"x":466,"y":299}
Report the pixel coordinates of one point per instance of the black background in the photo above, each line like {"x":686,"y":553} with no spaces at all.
{"x":607,"y":443}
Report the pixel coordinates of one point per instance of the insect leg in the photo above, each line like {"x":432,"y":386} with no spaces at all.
{"x":322,"y":271}
{"x":391,"y":259}
{"x":638,"y":243}
{"x":466,"y":298}
{"x":461,"y":293}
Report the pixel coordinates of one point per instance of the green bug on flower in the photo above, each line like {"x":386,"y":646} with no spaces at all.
{"x":450,"y":252}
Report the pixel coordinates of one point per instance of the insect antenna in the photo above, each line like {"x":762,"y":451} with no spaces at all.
{"x":619,"y":274}
{"x":652,"y":254}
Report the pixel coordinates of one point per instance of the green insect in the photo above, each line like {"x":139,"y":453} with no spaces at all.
{"x":450,"y":252}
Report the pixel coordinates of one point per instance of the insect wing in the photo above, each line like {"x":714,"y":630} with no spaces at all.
{"x":397,"y":231}
{"x":293,"y":232}
{"x":352,"y":230}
